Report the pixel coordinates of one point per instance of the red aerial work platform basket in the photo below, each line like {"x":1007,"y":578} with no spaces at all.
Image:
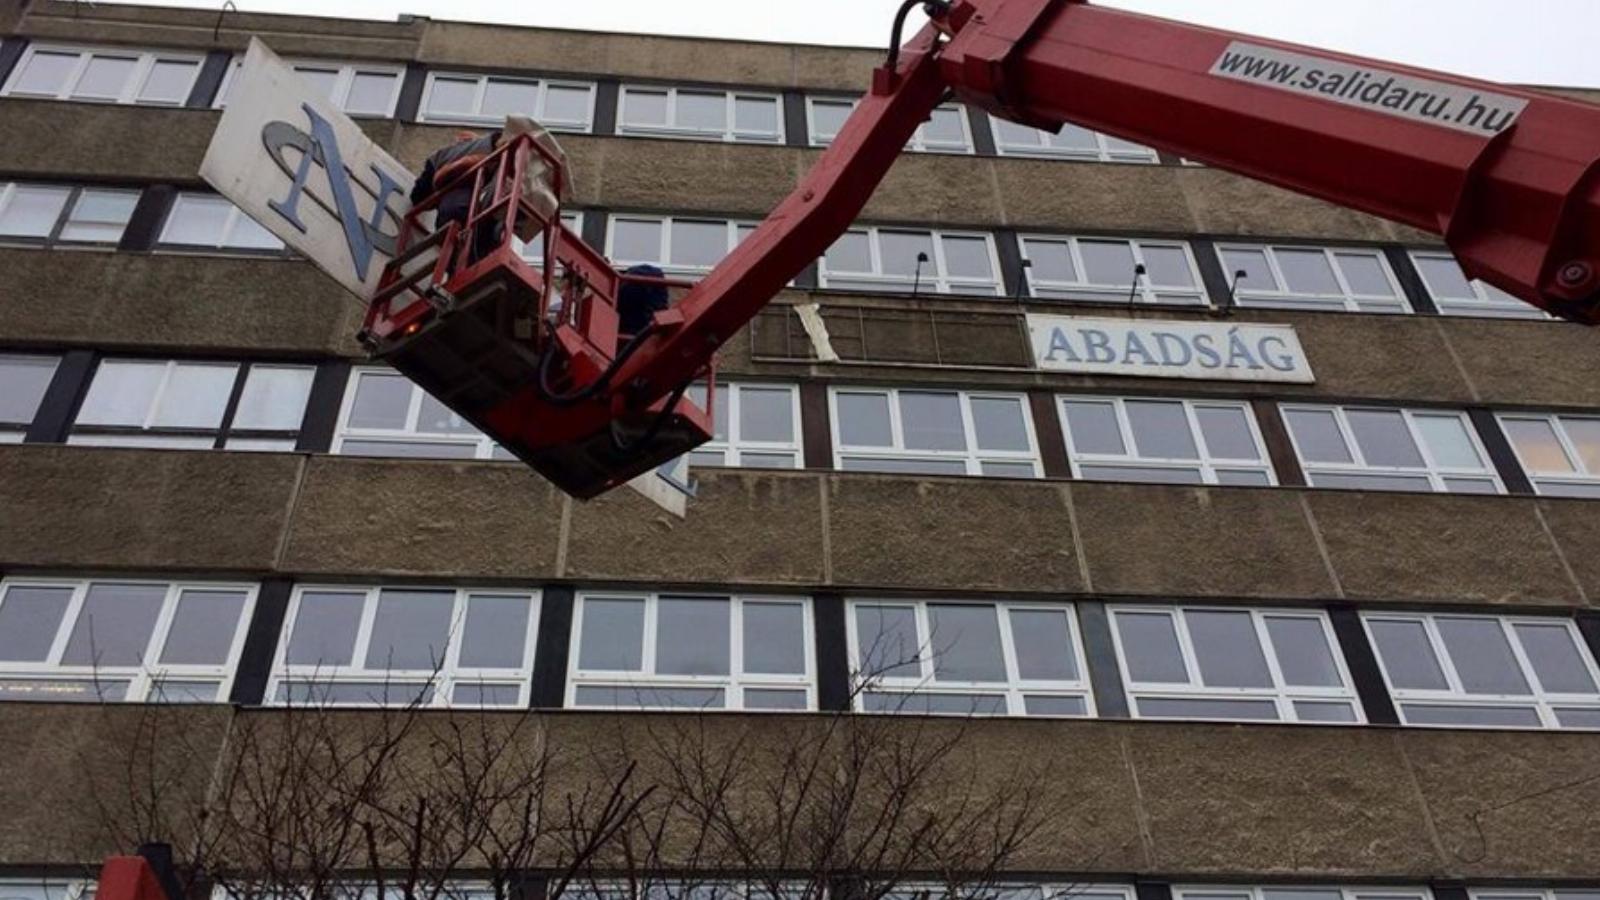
{"x":523,"y":344}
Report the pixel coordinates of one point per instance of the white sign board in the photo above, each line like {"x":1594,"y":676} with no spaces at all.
{"x":307,"y":173}
{"x":1213,"y":351}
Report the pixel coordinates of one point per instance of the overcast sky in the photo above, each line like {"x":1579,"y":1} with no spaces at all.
{"x":1527,"y":41}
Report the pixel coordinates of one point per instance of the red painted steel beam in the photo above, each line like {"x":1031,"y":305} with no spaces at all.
{"x":128,"y":878}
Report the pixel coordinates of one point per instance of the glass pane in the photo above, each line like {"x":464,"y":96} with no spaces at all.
{"x":1051,"y":260}
{"x":114,"y":626}
{"x":1365,"y":274}
{"x":1010,"y":134}
{"x":864,"y":420}
{"x":1107,"y":262}
{"x":1301,"y":647}
{"x":1093,"y":427}
{"x":1317,"y":435}
{"x":452,"y":96}
{"x":1161,"y":430}
{"x":755,"y":115}
{"x":1444,"y":278}
{"x":505,"y":98}
{"x":1045,"y":705}
{"x":692,"y":636}
{"x":774,"y":639}
{"x":1417,"y":483}
{"x":469,"y":693}
{"x":1307,"y":272}
{"x":898,"y":252}
{"x":642,"y":107}
{"x":274,"y":397}
{"x":371,"y":93}
{"x":1384,"y":438}
{"x":750,"y":460}
{"x":944,"y":128}
{"x":766,"y":414}
{"x":1043,"y":641}
{"x":661,"y":697}
{"x":434,"y":417}
{"x":169,"y":82}
{"x":196,"y":396}
{"x":1571,"y":717}
{"x":356,"y":693}
{"x":1199,"y":708}
{"x":1537,"y":445}
{"x":495,"y":634}
{"x":1585,"y":436}
{"x":32,"y":211}
{"x":29,"y":620}
{"x":23,"y":381}
{"x":103,"y":208}
{"x":1226,"y":430}
{"x":325,"y":625}
{"x":567,"y":105}
{"x":1228,"y":649}
{"x":1143,"y":474}
{"x":1448,"y":441}
{"x":886,"y":642}
{"x":247,"y":234}
{"x":197,"y":221}
{"x":931,"y":421}
{"x":965,"y":643}
{"x":171,"y":690}
{"x":46,"y":73}
{"x":382,"y":401}
{"x":411,"y":630}
{"x":703,"y":111}
{"x":852,"y":252}
{"x":701,"y":244}
{"x":613,"y":635}
{"x":1461,"y":714}
{"x":904,"y":466}
{"x":924,"y":703}
{"x":1407,"y":655}
{"x":1007,"y":470}
{"x":1253,"y":263}
{"x":1557,"y":662}
{"x":966,"y":258}
{"x":408,"y":449}
{"x":105,"y":77}
{"x":1248,"y":479}
{"x":827,"y":117}
{"x":63,"y":690}
{"x":1307,"y":711}
{"x":203,"y":628}
{"x":1075,"y":137}
{"x":122,"y":393}
{"x":999,"y":423}
{"x":1150,"y":648}
{"x":1482,"y":656}
{"x":1167,"y":266}
{"x":636,"y":240}
{"x":755,"y":698}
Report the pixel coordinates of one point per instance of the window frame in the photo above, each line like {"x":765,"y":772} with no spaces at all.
{"x":730,"y":134}
{"x":449,"y":675}
{"x":972,"y":457}
{"x":935,"y":279}
{"x":1193,"y":891}
{"x":478,"y":119}
{"x":1484,"y":305}
{"x":145,"y":60}
{"x":221,"y":247}
{"x":1104,"y":152}
{"x":344,"y":79}
{"x":1541,"y":701}
{"x":731,"y":448}
{"x":75,"y":194}
{"x":1542,"y":482}
{"x":485,"y":448}
{"x":1208,"y":465}
{"x":225,"y":433}
{"x":918,"y":142}
{"x":733,"y":227}
{"x":1147,"y":293}
{"x":1282,"y":695}
{"x":733,"y":685}
{"x":1248,"y":296}
{"x":142,"y":678}
{"x":1014,"y":690}
{"x":52,"y":888}
{"x":16,"y":432}
{"x":1431,"y":470}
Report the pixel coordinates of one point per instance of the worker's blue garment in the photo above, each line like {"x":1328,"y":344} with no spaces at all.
{"x":637,"y":301}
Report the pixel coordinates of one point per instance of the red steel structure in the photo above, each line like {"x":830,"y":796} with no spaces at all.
{"x":1510,"y":178}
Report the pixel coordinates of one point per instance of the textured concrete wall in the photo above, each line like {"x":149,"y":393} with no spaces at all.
{"x":202,"y":29}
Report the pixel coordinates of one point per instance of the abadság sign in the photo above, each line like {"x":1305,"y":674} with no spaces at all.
{"x":1218,"y":351}
{"x":307,"y":173}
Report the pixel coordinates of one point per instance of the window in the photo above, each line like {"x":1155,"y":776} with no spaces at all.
{"x":756,"y":426}
{"x":1017,"y":659}
{"x":62,"y":214}
{"x":933,"y":432}
{"x":681,"y":651}
{"x":1487,"y":671}
{"x":384,"y":414}
{"x":1535,"y":894}
{"x":1390,"y":450}
{"x":104,"y":75}
{"x":467,"y":99}
{"x":23,"y":380}
{"x":45,"y":889}
{"x":694,"y":113}
{"x":1166,"y":441}
{"x":1074,"y":142}
{"x":1561,"y":454}
{"x":360,"y":89}
{"x":891,"y":259}
{"x":946,"y":130}
{"x":1232,"y":664}
{"x":533,"y":252}
{"x":398,"y":646}
{"x":180,"y":404}
{"x":1106,"y":269}
{"x":1299,"y":893}
{"x":114,"y":640}
{"x":1348,"y":280}
{"x":682,"y":247}
{"x":212,"y":222}
{"x":1456,"y":295}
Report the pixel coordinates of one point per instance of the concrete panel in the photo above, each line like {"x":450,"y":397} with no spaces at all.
{"x":1298,"y":801}
{"x":74,"y":507}
{"x":111,"y":300}
{"x":1372,"y":356}
{"x":686,"y":176}
{"x":744,"y":527}
{"x":1509,"y":805}
{"x":1224,"y":203}
{"x":936,"y":187}
{"x":1528,"y":363}
{"x":425,"y":518}
{"x":1438,"y":548}
{"x":193,"y":29}
{"x":1574,"y":524}
{"x":56,"y":139}
{"x":951,"y":533}
{"x":64,"y":777}
{"x":1215,"y":542}
{"x":1051,"y":195}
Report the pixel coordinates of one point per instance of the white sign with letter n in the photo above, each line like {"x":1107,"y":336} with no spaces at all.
{"x":1217,"y":351}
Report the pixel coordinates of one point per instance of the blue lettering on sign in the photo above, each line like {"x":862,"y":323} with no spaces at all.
{"x":1236,"y":350}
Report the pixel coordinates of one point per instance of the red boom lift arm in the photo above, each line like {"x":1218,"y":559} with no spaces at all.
{"x":1509,"y":178}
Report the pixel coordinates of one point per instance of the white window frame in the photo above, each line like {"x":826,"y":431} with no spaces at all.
{"x":1435,"y":473}
{"x":1282,"y":695}
{"x":150,"y":434}
{"x":1014,"y":690}
{"x":972,"y":456}
{"x":145,"y":61}
{"x":1208,"y":465}
{"x":732,"y":446}
{"x":444,"y":681}
{"x":918,"y":142}
{"x":1146,"y":292}
{"x":221,"y":246}
{"x":1104,"y":152}
{"x":478,"y":118}
{"x":1549,"y":483}
{"x":1250,"y":295}
{"x":934,"y":278}
{"x":484,"y":446}
{"x":732,"y":226}
{"x":13,"y":432}
{"x":143,"y":678}
{"x":66,"y":218}
{"x":1487,"y":302}
{"x":730,"y":134}
{"x":1247,"y":892}
{"x":733,"y":685}
{"x":1532,"y":893}
{"x":49,"y":888}
{"x":344,"y":78}
{"x":1542,"y":701}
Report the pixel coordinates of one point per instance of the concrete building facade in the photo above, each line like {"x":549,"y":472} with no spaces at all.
{"x":1328,"y":623}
